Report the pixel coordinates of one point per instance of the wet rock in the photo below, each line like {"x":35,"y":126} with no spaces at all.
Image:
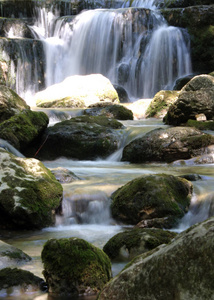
{"x":11,"y":256}
{"x":115,"y":111}
{"x":83,"y":137}
{"x":160,"y":104}
{"x":15,"y":28}
{"x":10,"y":103}
{"x":64,"y":175}
{"x":150,"y":197}
{"x":150,"y":275}
{"x":75,"y":267}
{"x":201,"y":125}
{"x":181,"y":82}
{"x":191,"y":177}
{"x":29,"y":193}
{"x":196,"y":97}
{"x":21,"y":130}
{"x":85,"y":90}
{"x":128,"y":244}
{"x":168,"y":145}
{"x":122,"y":94}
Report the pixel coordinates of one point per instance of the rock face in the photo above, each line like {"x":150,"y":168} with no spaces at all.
{"x":110,"y":111}
{"x":10,"y":103}
{"x":196,"y":97}
{"x":82,"y":137}
{"x":78,"y":91}
{"x":14,"y":28}
{"x":168,"y":145}
{"x":74,"y":266}
{"x":128,"y":244}
{"x":21,"y":129}
{"x":11,"y":256}
{"x":29,"y":193}
{"x":160,"y":104}
{"x":149,"y":197}
{"x":181,"y":270}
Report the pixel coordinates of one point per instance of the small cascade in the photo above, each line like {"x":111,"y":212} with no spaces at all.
{"x":139,"y":3}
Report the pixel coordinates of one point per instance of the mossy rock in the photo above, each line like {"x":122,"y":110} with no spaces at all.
{"x":21,"y":129}
{"x":150,"y":197}
{"x":160,"y":104}
{"x":29,"y":193}
{"x":10,"y":278}
{"x":128,"y":244}
{"x":201,"y":125}
{"x":73,"y":267}
{"x":115,"y":111}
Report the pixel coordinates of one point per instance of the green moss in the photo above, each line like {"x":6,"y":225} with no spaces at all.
{"x":16,"y":254}
{"x":201,"y":141}
{"x":99,"y":120}
{"x":207,"y":125}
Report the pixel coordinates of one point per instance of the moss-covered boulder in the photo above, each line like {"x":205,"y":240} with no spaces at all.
{"x":181,"y":270}
{"x":168,"y":145}
{"x":110,"y":111}
{"x":153,"y":196}
{"x":201,"y":125}
{"x":17,"y":281}
{"x":21,"y":129}
{"x":196,"y":97}
{"x":128,"y":244}
{"x":160,"y":104}
{"x":74,"y":267}
{"x":11,"y":256}
{"x":29,"y":193}
{"x":86,"y":90}
{"x":10,"y":103}
{"x":84,"y":137}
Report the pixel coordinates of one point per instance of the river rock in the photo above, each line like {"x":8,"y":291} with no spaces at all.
{"x":122,"y":94}
{"x":20,"y":282}
{"x":10,"y":103}
{"x":160,"y":104}
{"x":29,"y":193}
{"x":11,"y":256}
{"x":14,"y":28}
{"x":128,"y":244}
{"x":201,"y":125}
{"x":181,"y":270}
{"x":196,"y":97}
{"x":64,"y":175}
{"x":83,"y":137}
{"x":150,"y":197}
{"x":77,"y":91}
{"x":20,"y":130}
{"x":74,"y":267}
{"x":168,"y":145}
{"x":110,"y":111}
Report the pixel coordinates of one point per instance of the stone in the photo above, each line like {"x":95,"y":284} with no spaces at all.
{"x":183,"y":269}
{"x":29,"y":193}
{"x":87,"y":90}
{"x":168,"y":145}
{"x":74,"y":267}
{"x":150,"y":197}
{"x":63,"y":175}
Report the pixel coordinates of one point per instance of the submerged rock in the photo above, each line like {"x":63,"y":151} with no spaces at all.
{"x":128,"y":244}
{"x":22,"y":129}
{"x":74,"y":267}
{"x":29,"y":193}
{"x":83,"y":137}
{"x":64,"y":175}
{"x":181,"y":270}
{"x":149,"y":197}
{"x":168,"y":145}
{"x":78,"y":91}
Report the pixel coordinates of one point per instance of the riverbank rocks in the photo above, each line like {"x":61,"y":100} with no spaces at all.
{"x":181,"y":270}
{"x":196,"y":97}
{"x":78,"y":91}
{"x":160,"y":104}
{"x":128,"y":244}
{"x":20,"y":130}
{"x":11,"y":256}
{"x":74,"y":267}
{"x":83,"y":137}
{"x":18,"y":282}
{"x":149,"y":197}
{"x":168,"y":145}
{"x":29,"y":193}
{"x":115,"y":111}
{"x":10,"y":103}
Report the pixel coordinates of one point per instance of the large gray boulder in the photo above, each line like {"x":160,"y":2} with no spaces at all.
{"x":29,"y":193}
{"x":181,"y":270}
{"x":196,"y":97}
{"x":167,"y":145}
